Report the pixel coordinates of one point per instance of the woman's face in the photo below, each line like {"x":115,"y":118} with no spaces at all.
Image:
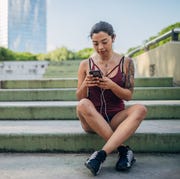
{"x":102,"y":43}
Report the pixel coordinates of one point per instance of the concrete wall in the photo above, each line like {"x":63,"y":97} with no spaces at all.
{"x":163,"y":61}
{"x":13,"y":70}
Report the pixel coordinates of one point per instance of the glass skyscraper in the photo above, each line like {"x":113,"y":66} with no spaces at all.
{"x":23,"y":25}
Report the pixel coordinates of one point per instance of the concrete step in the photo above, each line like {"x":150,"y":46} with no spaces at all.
{"x":72,"y":82}
{"x":166,"y":109}
{"x":68,"y":136}
{"x":68,"y":94}
{"x":156,"y":93}
{"x":50,"y":94}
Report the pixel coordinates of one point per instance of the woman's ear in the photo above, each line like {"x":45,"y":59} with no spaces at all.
{"x":113,"y":38}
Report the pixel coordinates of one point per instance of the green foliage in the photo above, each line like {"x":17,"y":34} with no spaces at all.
{"x":131,"y":49}
{"x":58,"y":55}
{"x":85,"y":53}
{"x":6,"y":54}
{"x":42,"y":56}
{"x":166,"y":29}
{"x":173,"y":26}
{"x":62,"y":54}
{"x":25,"y":56}
{"x":163,"y":31}
{"x":9,"y":55}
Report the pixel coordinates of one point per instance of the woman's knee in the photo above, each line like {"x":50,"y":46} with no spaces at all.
{"x":83,"y":105}
{"x":138,"y":109}
{"x":142,"y":110}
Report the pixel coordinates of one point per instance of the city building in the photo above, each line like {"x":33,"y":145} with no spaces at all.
{"x":23,"y":25}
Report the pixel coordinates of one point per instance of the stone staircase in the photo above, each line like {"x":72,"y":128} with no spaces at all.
{"x":40,"y":116}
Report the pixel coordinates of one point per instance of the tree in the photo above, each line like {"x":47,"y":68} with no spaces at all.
{"x":84,"y":53}
{"x":61,"y":54}
{"x":163,"y":31}
{"x":6,"y":54}
{"x":25,"y":56}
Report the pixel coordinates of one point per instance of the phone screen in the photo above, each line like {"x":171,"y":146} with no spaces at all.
{"x":96,"y":73}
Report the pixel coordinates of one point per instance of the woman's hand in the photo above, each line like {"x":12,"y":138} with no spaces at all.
{"x":105,"y":83}
{"x":92,"y":81}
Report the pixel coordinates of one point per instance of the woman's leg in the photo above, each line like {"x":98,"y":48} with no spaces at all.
{"x":91,"y":120}
{"x":124,"y":128}
{"x":121,"y":127}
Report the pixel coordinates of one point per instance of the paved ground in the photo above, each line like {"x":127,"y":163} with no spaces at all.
{"x":71,"y":166}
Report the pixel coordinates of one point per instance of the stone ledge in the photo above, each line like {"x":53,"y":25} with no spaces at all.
{"x":44,"y":110}
{"x":68,"y":136}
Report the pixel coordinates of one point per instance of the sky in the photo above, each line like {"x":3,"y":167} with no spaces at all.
{"x":69,"y":21}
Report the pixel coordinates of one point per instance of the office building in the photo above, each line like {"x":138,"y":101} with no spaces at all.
{"x":23,"y":25}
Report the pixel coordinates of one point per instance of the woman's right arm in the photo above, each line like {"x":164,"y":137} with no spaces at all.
{"x":82,"y":89}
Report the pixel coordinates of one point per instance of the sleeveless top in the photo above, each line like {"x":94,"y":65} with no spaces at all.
{"x":105,"y":101}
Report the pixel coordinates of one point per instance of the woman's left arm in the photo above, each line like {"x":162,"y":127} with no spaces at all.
{"x":129,"y":81}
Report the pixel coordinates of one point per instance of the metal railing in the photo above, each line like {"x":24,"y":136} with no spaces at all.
{"x":174,"y":34}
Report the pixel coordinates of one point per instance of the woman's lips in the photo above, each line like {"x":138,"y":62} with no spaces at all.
{"x":102,"y":52}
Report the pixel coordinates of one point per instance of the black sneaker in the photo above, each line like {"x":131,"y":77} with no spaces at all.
{"x":94,"y":162}
{"x":126,"y":158}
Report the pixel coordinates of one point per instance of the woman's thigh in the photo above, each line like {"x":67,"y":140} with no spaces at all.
{"x":139,"y":109}
{"x":118,"y":118}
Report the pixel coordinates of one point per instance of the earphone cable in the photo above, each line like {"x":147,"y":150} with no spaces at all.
{"x":103,"y":101}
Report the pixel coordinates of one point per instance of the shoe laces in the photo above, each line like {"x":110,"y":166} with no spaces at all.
{"x":129,"y":156}
{"x":126,"y":152}
{"x":97,"y":155}
{"x":93,"y":156}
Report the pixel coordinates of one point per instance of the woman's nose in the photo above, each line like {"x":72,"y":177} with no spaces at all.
{"x":100,"y":46}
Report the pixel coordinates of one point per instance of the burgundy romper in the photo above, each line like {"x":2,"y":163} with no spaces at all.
{"x":105,"y":101}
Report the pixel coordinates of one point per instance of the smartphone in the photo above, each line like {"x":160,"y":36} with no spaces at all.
{"x":95,"y":73}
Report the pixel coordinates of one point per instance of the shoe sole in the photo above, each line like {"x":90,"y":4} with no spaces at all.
{"x":92,"y":170}
{"x":126,"y":168}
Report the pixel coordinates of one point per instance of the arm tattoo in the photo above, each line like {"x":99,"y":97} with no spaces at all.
{"x":130,"y":76}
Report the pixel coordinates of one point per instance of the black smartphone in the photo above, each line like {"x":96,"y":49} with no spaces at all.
{"x":95,"y":73}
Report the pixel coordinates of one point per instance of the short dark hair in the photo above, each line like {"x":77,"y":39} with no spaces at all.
{"x":104,"y":27}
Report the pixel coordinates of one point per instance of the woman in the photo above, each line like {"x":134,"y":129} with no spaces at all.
{"x":101,"y":107}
